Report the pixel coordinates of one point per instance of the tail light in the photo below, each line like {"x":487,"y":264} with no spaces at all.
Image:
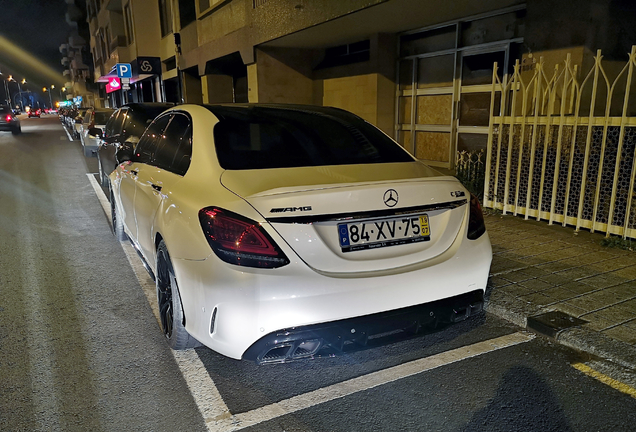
{"x":238,"y":240}
{"x":476,"y":226}
{"x":9,"y":118}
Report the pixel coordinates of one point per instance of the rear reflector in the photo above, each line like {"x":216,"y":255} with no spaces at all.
{"x":476,"y":225}
{"x":238,"y":240}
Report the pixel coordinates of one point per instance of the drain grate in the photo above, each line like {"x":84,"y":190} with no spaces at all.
{"x":551,"y":323}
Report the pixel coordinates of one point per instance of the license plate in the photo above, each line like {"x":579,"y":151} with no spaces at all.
{"x":371,"y":234}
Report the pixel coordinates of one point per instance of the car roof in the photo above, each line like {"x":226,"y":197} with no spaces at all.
{"x":149,"y":105}
{"x":219,"y":109}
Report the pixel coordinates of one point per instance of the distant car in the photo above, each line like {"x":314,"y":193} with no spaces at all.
{"x":35,"y":112}
{"x":9,"y":121}
{"x":92,"y":128}
{"x":125,"y":124}
{"x":277,"y":231}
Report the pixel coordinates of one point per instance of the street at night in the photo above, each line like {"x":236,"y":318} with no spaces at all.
{"x":317,"y":216}
{"x":82,"y":349}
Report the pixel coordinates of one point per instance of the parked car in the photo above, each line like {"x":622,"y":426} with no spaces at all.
{"x":125,"y":124}
{"x":35,"y":112}
{"x":9,"y":121}
{"x":76,"y":122}
{"x":92,"y":128}
{"x":274,"y":231}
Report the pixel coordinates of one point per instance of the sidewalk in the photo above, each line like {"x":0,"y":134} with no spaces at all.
{"x":538,"y":268}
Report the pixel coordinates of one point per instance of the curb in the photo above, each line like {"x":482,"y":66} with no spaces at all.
{"x":516,"y":311}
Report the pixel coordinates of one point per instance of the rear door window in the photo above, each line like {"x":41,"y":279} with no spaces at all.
{"x":110,"y":124}
{"x":147,"y":145}
{"x":174,"y":147}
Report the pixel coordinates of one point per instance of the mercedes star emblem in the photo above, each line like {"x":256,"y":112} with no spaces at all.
{"x":391,"y":198}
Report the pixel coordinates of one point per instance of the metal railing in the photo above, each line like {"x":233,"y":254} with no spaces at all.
{"x":471,"y":169}
{"x":564,"y":149}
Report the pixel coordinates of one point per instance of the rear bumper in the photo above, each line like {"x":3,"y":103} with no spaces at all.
{"x":306,"y":341}
{"x":9,"y":126}
{"x":229,"y":308}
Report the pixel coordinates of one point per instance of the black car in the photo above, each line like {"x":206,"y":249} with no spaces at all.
{"x":9,"y":121}
{"x":128,"y":123}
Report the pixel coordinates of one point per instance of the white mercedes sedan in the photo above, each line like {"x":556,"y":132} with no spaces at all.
{"x":280,"y":232}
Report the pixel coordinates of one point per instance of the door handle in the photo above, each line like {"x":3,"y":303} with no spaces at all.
{"x":156,"y":187}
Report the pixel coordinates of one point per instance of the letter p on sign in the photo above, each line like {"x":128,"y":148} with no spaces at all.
{"x":124,"y":70}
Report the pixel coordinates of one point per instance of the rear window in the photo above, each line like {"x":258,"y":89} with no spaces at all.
{"x":102,"y":117}
{"x":5,"y":109}
{"x":265,"y":137}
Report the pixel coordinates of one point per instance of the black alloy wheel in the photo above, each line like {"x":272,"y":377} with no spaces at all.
{"x":118,"y":227}
{"x":164,"y":298}
{"x":169,"y":302}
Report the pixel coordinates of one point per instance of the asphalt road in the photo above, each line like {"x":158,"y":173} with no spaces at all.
{"x":80,"y":348}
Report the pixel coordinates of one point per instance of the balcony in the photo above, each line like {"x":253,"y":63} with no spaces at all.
{"x":119,"y":41}
{"x":76,"y":41}
{"x":114,"y":5}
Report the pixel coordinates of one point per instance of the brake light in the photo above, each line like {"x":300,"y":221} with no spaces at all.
{"x":9,"y":118}
{"x":238,"y":240}
{"x":476,"y":225}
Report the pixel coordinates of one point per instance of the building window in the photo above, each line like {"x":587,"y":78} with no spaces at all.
{"x":187,"y":12}
{"x":128,"y":24}
{"x":165,"y":16}
{"x":346,"y":54}
{"x":107,"y":42}
{"x":102,"y":45}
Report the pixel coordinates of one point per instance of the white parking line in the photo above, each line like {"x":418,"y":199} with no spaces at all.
{"x":215,"y":412}
{"x":70,"y":138}
{"x":205,"y":394}
{"x":365,"y":382}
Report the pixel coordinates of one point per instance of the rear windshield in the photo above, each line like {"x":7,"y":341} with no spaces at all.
{"x":265,"y":137}
{"x":102,"y":117}
{"x":5,"y":109}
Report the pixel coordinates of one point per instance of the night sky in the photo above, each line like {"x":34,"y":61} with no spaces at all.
{"x":38,"y":27}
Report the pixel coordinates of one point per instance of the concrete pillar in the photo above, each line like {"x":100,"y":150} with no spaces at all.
{"x":281,"y":75}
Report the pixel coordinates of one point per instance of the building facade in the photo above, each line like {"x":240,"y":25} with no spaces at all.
{"x":76,"y":58}
{"x":421,"y":71}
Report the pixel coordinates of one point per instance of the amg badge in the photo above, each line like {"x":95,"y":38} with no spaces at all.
{"x":290,"y":209}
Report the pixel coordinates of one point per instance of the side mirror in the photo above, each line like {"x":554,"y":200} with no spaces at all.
{"x":125,"y":152}
{"x":95,"y":132}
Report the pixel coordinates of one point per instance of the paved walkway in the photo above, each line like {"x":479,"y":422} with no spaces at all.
{"x":539,"y":267}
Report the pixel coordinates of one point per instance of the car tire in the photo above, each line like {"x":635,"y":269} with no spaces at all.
{"x":169,"y":302}
{"x":103,"y":179}
{"x":17,"y":131}
{"x":118,"y":226}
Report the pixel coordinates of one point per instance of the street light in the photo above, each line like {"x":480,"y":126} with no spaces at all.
{"x":44,"y":89}
{"x":7,"y":96}
{"x":19,"y":89}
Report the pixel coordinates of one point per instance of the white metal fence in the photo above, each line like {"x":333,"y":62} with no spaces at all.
{"x":563,"y":147}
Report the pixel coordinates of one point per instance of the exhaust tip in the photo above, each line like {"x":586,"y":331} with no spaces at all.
{"x":288,"y":351}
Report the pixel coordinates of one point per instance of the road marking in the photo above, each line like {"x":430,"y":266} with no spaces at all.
{"x":217,"y":415}
{"x":67,"y":134}
{"x":207,"y":397}
{"x":617,"y":385}
{"x":365,"y":382}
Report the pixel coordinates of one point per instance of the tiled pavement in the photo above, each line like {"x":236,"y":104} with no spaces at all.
{"x":539,"y":267}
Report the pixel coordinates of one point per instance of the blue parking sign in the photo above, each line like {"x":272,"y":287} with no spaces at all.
{"x":124,"y":70}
